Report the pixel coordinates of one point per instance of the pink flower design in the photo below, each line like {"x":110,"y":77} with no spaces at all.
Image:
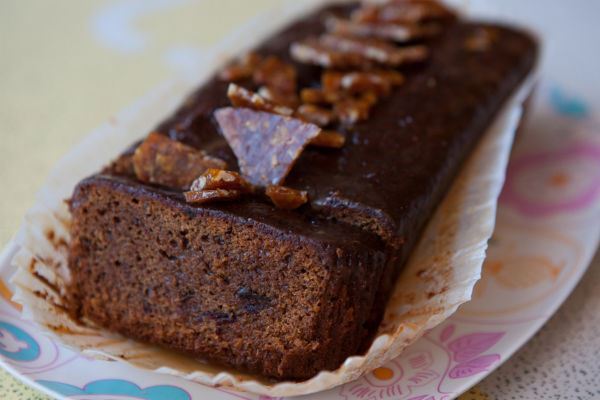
{"x":474,"y":366}
{"x":468,"y":346}
{"x":397,"y":379}
{"x":552,"y":182}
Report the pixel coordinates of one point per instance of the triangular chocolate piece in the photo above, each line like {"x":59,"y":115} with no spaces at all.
{"x":266,"y":145}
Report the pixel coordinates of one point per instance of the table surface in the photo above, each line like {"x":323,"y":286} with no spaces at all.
{"x":66,"y":66}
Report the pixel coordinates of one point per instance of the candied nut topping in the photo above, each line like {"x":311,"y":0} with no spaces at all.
{"x":335,"y":51}
{"x":378,"y":82}
{"x":314,"y":114}
{"x":241,"y":97}
{"x":286,"y":198}
{"x":269,"y":129}
{"x":402,"y":11}
{"x":351,"y":110}
{"x":330,"y":139}
{"x":213,"y":195}
{"x":276,"y":74}
{"x":481,"y":40}
{"x":161,"y":160}
{"x":312,"y":51}
{"x":376,"y":50}
{"x":121,"y":166}
{"x":395,"y":78}
{"x":242,"y":69}
{"x":220,"y":179}
{"x":319,"y":96}
{"x":357,"y":82}
{"x":392,"y":31}
{"x":266,"y":145}
{"x":289,"y":100}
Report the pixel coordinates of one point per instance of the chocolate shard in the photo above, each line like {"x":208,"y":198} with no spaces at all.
{"x":266,"y":145}
{"x":167,"y":162}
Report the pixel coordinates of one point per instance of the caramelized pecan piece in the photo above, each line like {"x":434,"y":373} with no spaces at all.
{"x":314,"y":114}
{"x":161,"y":160}
{"x":207,"y":196}
{"x":330,"y":139}
{"x":220,"y":179}
{"x":402,"y":11}
{"x":277,"y":75}
{"x":382,"y":30}
{"x":335,"y":51}
{"x":286,"y":198}
{"x":266,"y":145}
{"x":241,"y":97}
{"x":241,"y":69}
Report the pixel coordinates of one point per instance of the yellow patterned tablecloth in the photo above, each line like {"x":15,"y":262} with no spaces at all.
{"x":67,"y":65}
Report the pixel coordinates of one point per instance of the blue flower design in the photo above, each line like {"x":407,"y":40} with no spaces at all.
{"x":566,"y":104}
{"x":118,"y":387}
{"x":17,"y":344}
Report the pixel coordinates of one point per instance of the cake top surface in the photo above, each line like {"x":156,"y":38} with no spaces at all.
{"x":391,"y":162}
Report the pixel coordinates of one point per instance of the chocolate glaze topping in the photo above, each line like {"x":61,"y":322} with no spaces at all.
{"x":396,"y":165}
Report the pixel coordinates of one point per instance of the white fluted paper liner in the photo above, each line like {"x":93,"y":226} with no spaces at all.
{"x":451,"y":251}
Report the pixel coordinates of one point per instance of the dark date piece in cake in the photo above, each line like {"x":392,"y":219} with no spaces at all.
{"x":289,"y":293}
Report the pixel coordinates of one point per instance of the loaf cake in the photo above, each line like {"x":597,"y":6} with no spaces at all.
{"x":263,"y":225}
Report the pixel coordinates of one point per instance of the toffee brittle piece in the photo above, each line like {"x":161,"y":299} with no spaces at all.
{"x":286,"y":198}
{"x":329,"y":139}
{"x":335,"y":51}
{"x":217,"y":185}
{"x":241,"y":69}
{"x":163,"y":161}
{"x":290,"y":100}
{"x":241,"y":97}
{"x":314,"y":114}
{"x":212,"y":195}
{"x":266,"y":145}
{"x":400,"y":11}
{"x":401,"y":33}
{"x":378,"y":82}
{"x":276,"y":74}
{"x":221,"y":179}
